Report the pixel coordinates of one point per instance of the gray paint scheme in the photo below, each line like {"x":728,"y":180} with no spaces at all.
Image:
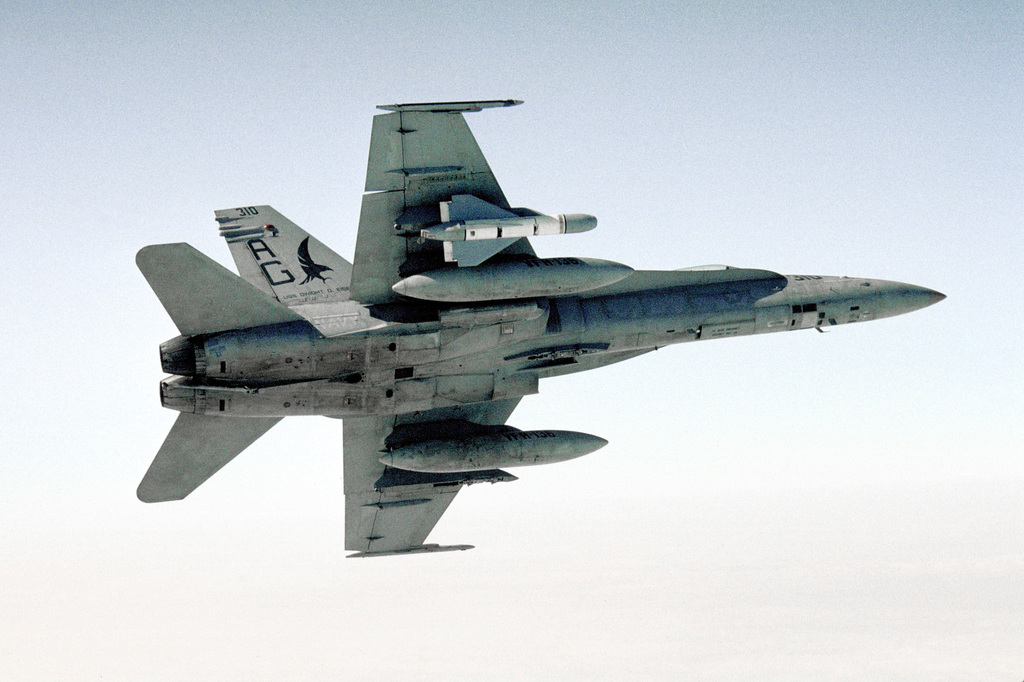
{"x":302,"y":333}
{"x":180,"y":466}
{"x":201,"y":296}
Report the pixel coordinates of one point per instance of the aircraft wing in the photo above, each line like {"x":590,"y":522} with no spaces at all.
{"x":420,"y":155}
{"x":392,"y":511}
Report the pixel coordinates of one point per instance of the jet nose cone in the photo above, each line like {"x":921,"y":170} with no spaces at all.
{"x":922,"y":297}
{"x":910,"y":297}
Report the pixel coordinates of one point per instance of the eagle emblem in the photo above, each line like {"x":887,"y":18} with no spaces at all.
{"x":312,"y":270}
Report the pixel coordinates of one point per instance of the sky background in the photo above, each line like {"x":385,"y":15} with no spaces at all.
{"x":788,"y":507}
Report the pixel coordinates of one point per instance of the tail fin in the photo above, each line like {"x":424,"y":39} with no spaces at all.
{"x":281,"y":258}
{"x":201,"y":295}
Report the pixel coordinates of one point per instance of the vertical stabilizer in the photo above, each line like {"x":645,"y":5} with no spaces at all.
{"x":283,"y":260}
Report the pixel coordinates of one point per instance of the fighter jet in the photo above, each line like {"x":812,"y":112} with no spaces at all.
{"x":428,"y":340}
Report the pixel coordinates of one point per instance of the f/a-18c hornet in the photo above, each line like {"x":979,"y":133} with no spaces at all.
{"x":425,"y":344}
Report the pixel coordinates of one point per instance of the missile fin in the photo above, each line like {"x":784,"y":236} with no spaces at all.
{"x":468,"y":207}
{"x":469,"y":254}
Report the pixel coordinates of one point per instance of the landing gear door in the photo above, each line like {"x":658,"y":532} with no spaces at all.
{"x":805,"y":316}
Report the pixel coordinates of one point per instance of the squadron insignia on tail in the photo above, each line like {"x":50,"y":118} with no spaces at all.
{"x":312,"y":270}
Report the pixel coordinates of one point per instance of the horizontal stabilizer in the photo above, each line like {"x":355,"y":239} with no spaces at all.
{"x":196,"y":448}
{"x":202,"y":296}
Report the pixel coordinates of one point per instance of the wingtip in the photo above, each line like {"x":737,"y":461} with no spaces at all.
{"x":421,"y":549}
{"x":451,"y":107}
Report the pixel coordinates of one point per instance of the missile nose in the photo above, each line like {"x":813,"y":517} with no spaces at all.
{"x":936,"y":297}
{"x":579,"y":222}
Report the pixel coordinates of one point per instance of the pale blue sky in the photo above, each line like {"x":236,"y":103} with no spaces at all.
{"x":796,"y":506}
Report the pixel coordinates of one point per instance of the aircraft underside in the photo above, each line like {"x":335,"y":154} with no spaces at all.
{"x":425,"y":344}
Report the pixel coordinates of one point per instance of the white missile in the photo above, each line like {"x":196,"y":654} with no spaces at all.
{"x":514,"y":227}
{"x":494,"y":450}
{"x":472,"y":230}
{"x":529,"y":278}
{"x":467,"y":218}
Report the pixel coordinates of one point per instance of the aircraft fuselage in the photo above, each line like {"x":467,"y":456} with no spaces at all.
{"x":476,"y":354}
